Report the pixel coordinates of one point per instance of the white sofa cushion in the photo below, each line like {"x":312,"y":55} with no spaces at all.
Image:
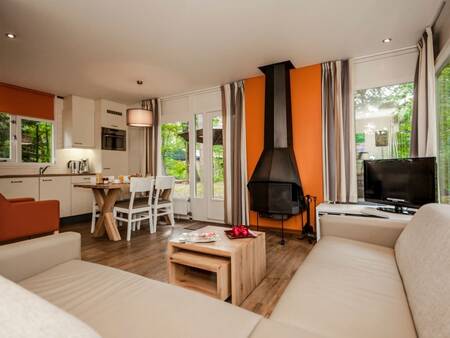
{"x":347,"y":289}
{"x":120,"y":304}
{"x":268,"y":328}
{"x":423,"y":257}
{"x":23,"y":314}
{"x":24,"y":259}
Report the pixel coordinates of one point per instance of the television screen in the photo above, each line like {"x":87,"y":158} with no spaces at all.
{"x":409,"y":182}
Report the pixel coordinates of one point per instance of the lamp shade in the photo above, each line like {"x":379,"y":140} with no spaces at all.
{"x":139,"y":117}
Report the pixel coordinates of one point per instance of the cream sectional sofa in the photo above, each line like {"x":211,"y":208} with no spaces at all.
{"x":364,"y":278}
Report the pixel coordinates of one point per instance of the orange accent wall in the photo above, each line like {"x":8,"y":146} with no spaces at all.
{"x":26,"y":102}
{"x":307,"y":132}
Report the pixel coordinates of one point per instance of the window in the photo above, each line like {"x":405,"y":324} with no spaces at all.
{"x":382,"y":124}
{"x":5,"y":136}
{"x":26,"y":140}
{"x":443,"y":110}
{"x":175,"y":155}
{"x":36,"y":141}
{"x":199,"y":155}
{"x":218,"y":170}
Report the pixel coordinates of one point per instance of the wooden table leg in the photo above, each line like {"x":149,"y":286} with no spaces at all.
{"x":99,"y":195}
{"x":106,"y":220}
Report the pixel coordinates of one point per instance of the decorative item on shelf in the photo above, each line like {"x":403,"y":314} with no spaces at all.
{"x":105,"y":180}
{"x":239,"y":231}
{"x":139,"y":117}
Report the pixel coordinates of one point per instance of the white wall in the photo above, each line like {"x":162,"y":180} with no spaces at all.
{"x":442,"y":29}
{"x":384,"y":69}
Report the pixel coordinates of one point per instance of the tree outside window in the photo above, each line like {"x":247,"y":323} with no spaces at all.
{"x":5,"y":136}
{"x":36,"y":141}
{"x":443,"y":110}
{"x":175,"y":155}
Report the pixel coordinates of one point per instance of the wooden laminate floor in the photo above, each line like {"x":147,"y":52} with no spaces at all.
{"x":145,"y":255}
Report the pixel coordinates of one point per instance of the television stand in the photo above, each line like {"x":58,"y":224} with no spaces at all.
{"x":353,"y":209}
{"x":397,"y":209}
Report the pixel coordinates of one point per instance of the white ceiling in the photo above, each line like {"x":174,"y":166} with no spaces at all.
{"x":99,"y":48}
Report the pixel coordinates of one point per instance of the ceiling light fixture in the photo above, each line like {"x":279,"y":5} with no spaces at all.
{"x":387,"y":40}
{"x":139,"y":117}
{"x":10,"y":35}
{"x":139,"y":82}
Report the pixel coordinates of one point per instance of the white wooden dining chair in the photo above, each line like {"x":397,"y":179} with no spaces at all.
{"x":136,"y":209}
{"x":163,"y":200}
{"x":95,"y":215}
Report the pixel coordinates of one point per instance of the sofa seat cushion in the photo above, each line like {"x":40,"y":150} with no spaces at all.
{"x":120,"y":304}
{"x":268,"y":328}
{"x":25,"y":315}
{"x":347,"y":289}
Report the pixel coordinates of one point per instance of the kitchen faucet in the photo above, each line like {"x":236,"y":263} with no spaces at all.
{"x":43,"y":169}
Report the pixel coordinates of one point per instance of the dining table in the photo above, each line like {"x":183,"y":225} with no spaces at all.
{"x":106,"y":195}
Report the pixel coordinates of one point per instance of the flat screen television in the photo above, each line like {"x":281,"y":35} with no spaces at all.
{"x":403,"y":183}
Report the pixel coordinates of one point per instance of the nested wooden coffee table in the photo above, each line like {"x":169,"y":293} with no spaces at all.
{"x":220,"y":269}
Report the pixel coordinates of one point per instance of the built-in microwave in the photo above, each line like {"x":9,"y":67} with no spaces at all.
{"x":114,"y":139}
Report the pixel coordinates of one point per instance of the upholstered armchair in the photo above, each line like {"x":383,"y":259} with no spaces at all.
{"x":23,"y":217}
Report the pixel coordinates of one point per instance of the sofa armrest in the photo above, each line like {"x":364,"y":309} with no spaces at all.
{"x":22,"y":199}
{"x":378,"y":231}
{"x":24,"y":259}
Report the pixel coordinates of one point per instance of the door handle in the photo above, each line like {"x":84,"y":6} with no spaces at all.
{"x":79,"y":143}
{"x":16,"y":181}
{"x":47,"y":180}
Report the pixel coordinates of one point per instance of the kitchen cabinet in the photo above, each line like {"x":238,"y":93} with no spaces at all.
{"x":57,"y":188}
{"x":20,"y":187}
{"x":78,"y":122}
{"x":114,"y":163}
{"x":82,"y":198}
{"x":111,"y":114}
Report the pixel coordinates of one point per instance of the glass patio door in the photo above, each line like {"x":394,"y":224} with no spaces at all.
{"x":207,"y":167}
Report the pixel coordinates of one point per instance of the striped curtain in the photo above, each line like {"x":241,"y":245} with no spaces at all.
{"x":151,"y":139}
{"x":235,"y":159}
{"x":423,"y":131}
{"x":338,"y":133}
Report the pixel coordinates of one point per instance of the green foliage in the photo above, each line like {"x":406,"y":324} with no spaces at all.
{"x":175,"y":149}
{"x":360,"y":138}
{"x":36,"y":141}
{"x":5,"y":136}
{"x":443,"y":108}
{"x":218,"y":162}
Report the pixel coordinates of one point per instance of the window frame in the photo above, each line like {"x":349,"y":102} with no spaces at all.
{"x":16,"y":141}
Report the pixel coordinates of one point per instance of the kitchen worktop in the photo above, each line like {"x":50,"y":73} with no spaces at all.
{"x":45,"y":175}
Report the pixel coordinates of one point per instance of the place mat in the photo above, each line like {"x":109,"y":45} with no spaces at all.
{"x":195,"y":226}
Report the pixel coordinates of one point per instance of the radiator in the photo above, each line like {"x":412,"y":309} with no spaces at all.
{"x":182,"y":207}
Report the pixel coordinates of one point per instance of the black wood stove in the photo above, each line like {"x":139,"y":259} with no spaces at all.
{"x":275,"y":187}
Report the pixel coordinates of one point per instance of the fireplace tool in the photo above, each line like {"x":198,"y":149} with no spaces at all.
{"x":307,"y":228}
